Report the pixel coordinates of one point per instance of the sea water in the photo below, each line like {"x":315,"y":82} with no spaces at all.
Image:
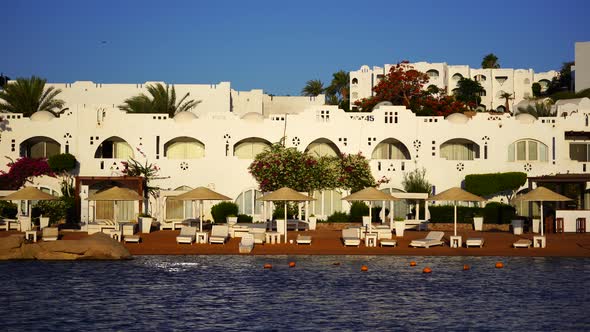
{"x":236,"y":293}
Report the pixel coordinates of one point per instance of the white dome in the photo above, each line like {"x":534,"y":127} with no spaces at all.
{"x":42,"y":116}
{"x":253,"y":117}
{"x":185,"y":117}
{"x":525,"y":118}
{"x":457,"y":118}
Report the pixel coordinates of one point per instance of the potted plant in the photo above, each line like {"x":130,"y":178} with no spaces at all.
{"x":536,"y":224}
{"x":312,"y":222}
{"x":232,"y":219}
{"x":400,"y":226}
{"x":145,"y":221}
{"x":478,"y":221}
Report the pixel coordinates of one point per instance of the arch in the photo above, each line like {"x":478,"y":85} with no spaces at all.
{"x":248,"y":202}
{"x":39,"y":147}
{"x":184,"y":147}
{"x":391,"y":148}
{"x":528,"y":150}
{"x":545,"y":83}
{"x":249,"y":147}
{"x":323,"y":147}
{"x":501,"y":109}
{"x":481,"y":108}
{"x":459,"y":149}
{"x":457,"y":76}
{"x":114,"y":147}
{"x":355,"y":80}
{"x":326,"y":203}
{"x":480,"y":78}
{"x":433,"y":74}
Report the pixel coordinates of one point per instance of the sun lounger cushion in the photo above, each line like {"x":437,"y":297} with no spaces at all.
{"x":433,"y":238}
{"x":187,"y":235}
{"x":388,"y":242}
{"x":303,"y":239}
{"x":474,"y":242}
{"x":350,"y":237}
{"x":132,"y":238}
{"x":522,"y":243}
{"x":219,"y":234}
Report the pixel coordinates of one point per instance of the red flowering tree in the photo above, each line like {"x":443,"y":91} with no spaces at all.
{"x":403,"y":85}
{"x":23,"y":170}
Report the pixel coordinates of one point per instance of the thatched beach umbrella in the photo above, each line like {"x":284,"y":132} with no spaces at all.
{"x":541,"y":194}
{"x":370,"y":194}
{"x":286,"y":195}
{"x":455,"y":195}
{"x":201,"y":194}
{"x":115,"y":194}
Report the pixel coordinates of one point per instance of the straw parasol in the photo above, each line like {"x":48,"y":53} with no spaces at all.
{"x":201,"y":194}
{"x":541,"y":194}
{"x":454,"y":195}
{"x":29,"y":194}
{"x":370,"y":194}
{"x":115,"y":194}
{"x":285,"y":195}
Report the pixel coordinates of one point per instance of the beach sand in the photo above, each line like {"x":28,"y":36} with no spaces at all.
{"x":328,"y":242}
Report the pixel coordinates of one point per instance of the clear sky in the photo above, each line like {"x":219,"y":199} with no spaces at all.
{"x":276,"y":45}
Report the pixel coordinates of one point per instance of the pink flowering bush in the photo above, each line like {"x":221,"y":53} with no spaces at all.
{"x":23,"y":170}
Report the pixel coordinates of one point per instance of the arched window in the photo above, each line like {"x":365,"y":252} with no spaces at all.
{"x":323,"y":147}
{"x":355,"y":81}
{"x":459,"y":149}
{"x":248,"y":148}
{"x":528,"y":150}
{"x":544,"y":84}
{"x":184,"y":148}
{"x":39,"y":147}
{"x":248,"y":202}
{"x":480,"y":78}
{"x":432,"y":73}
{"x":391,"y":149}
{"x":457,"y":77}
{"x":500,"y":109}
{"x":114,"y":148}
{"x":326,"y":203}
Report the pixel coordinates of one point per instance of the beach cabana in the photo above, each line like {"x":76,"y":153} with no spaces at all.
{"x":115,"y":194}
{"x":456,"y":195}
{"x":369,"y":194}
{"x":285,"y":195}
{"x":201,"y":194}
{"x":29,"y":194}
{"x":541,"y":194}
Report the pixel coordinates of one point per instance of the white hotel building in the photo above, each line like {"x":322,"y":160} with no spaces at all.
{"x":213,"y":144}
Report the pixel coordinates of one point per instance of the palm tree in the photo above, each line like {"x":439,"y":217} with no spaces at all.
{"x":163,"y":100}
{"x":29,"y":95}
{"x":538,"y":109}
{"x":490,"y":61}
{"x":340,"y":85}
{"x":507,"y":96}
{"x":313,"y":88}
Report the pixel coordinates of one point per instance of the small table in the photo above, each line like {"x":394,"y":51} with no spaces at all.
{"x":456,"y":241}
{"x":115,"y":234}
{"x":371,"y":239}
{"x":539,"y":242}
{"x":202,"y":237}
{"x":273,"y":237}
{"x":31,"y":235}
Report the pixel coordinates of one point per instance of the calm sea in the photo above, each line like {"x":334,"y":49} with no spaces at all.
{"x":322,"y":293}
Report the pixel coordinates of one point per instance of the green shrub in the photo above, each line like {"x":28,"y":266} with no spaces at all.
{"x":222,"y":210}
{"x":279,"y":212}
{"x":8,"y":209}
{"x":244,"y":218}
{"x":338,"y":217}
{"x":357,"y":211}
{"x":494,"y":183}
{"x":63,"y":162}
{"x":57,"y":210}
{"x":498,"y":213}
{"x":445,"y":213}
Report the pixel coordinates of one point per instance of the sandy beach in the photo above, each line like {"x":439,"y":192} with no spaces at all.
{"x":327,"y":241}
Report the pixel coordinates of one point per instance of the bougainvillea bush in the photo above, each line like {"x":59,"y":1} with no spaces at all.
{"x":23,"y":170}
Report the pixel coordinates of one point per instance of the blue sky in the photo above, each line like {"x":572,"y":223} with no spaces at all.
{"x":276,"y":46}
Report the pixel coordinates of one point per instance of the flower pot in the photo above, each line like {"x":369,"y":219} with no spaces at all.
{"x":517,"y":227}
{"x":478,"y":223}
{"x":536,"y":225}
{"x":312,"y":223}
{"x":400,"y":227}
{"x":146,"y":224}
{"x":232,"y":220}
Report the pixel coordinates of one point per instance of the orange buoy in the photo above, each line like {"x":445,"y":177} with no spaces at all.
{"x":499,"y":265}
{"x":426,"y":270}
{"x":466,"y":267}
{"x":412,"y":263}
{"x":291,"y":264}
{"x":364,"y":268}
{"x":268,"y":266}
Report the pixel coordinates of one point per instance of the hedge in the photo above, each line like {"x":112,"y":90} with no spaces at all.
{"x":493,"y":213}
{"x":222,"y":210}
{"x":494,"y":183}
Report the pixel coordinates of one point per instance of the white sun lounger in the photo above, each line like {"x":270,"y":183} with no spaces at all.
{"x":303,"y":239}
{"x":132,"y":238}
{"x":474,"y":242}
{"x":522,"y":243}
{"x":187,"y":235}
{"x":433,"y":238}
{"x":387,"y":243}
{"x":350,"y":237}
{"x":246,"y":243}
{"x":219,"y":234}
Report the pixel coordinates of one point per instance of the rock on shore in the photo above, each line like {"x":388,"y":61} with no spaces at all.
{"x":96,"y":246}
